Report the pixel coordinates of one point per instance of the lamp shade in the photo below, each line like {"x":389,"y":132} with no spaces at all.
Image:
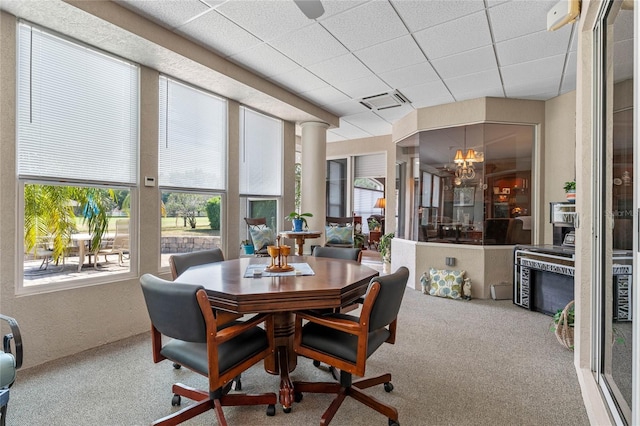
{"x":471,"y":156}
{"x":459,"y":158}
{"x":381,"y":203}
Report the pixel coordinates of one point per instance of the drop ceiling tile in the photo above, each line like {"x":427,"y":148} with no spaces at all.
{"x":418,"y":15}
{"x":326,"y":96}
{"x":299,"y":80}
{"x":347,"y":108}
{"x":470,"y":62}
{"x":366,"y":25}
{"x":518,"y":18}
{"x":428,"y":94}
{"x":265,"y":60}
{"x":412,"y":75}
{"x":266,"y":20}
{"x":394,"y":54}
{"x":309,"y":45}
{"x":568,"y":83}
{"x":369,"y":122}
{"x":227,"y":38}
{"x":333,"y":7}
{"x":362,"y":87}
{"x":571,"y":66}
{"x":334,"y":137}
{"x":393,"y":114}
{"x":341,"y":68}
{"x":168,"y":13}
{"x":349,"y":131}
{"x":533,"y":46}
{"x":466,"y":33}
{"x":476,"y":85}
{"x":515,"y":75}
{"x":539,"y":89}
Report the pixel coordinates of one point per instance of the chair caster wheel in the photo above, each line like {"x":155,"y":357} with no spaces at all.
{"x":393,"y":423}
{"x":237,"y":384}
{"x":176,"y":400}
{"x":297,"y":396}
{"x":316,"y":363}
{"x":286,"y":409}
{"x":176,"y":366}
{"x":271,"y":410}
{"x":388,"y":386}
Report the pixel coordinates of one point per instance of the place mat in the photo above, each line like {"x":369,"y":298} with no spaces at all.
{"x":298,"y":268}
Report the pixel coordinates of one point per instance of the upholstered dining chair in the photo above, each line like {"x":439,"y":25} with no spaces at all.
{"x":10,"y":361}
{"x":258,"y":228}
{"x":338,"y":253}
{"x":339,"y":232}
{"x":345,"y":342}
{"x":184,"y":330}
{"x":182,"y":261}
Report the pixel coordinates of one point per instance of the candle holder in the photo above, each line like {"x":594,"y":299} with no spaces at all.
{"x":279,"y":255}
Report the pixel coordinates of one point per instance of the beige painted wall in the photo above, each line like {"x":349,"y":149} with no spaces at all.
{"x":484,"y":265}
{"x":559,"y":153}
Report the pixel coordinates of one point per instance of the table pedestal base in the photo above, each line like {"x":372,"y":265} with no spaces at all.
{"x":284,"y":359}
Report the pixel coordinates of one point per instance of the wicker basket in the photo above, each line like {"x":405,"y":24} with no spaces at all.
{"x":564,"y":333}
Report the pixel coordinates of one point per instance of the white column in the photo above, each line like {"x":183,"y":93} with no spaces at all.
{"x":313,"y":179}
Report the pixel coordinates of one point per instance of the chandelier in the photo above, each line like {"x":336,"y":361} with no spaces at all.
{"x":465,"y":170}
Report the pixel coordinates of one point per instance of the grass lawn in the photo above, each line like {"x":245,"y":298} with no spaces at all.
{"x":170,"y":226}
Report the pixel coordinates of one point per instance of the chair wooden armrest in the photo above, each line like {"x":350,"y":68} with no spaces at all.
{"x":232,"y":331}
{"x":340,"y":324}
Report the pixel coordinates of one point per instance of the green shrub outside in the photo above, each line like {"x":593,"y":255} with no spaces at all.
{"x":213,"y":212}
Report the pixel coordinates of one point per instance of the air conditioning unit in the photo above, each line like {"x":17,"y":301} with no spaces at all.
{"x":385,"y":100}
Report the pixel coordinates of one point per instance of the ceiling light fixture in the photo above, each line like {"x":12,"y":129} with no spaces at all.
{"x":465,"y":170}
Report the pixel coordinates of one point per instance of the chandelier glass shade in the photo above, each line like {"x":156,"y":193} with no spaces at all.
{"x":464,"y":164}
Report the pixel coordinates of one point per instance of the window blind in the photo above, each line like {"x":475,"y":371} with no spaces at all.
{"x":192,"y":137}
{"x":260,"y":154}
{"x":77,"y":111}
{"x":371,"y":166}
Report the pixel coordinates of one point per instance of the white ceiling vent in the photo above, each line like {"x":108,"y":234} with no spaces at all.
{"x":385,"y":100}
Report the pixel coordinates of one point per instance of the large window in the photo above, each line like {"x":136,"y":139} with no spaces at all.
{"x":192,"y":147}
{"x":77,"y":144}
{"x":260,"y":168}
{"x":475,"y":185}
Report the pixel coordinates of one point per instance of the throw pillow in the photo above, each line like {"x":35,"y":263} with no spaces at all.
{"x":446,"y":283}
{"x":339,"y":234}
{"x":262,"y":237}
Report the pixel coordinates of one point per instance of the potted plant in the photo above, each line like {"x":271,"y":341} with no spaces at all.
{"x":358,"y":240}
{"x":298,"y":220}
{"x":563,"y":323}
{"x":247,"y":246}
{"x":374,"y":225}
{"x":570,"y":189}
{"x":384,"y":247}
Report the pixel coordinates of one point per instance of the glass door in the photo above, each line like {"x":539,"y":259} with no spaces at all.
{"x":617,"y":177}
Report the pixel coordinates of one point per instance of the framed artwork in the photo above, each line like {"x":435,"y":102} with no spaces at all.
{"x":463,"y":196}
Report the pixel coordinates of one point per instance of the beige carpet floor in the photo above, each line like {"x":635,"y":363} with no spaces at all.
{"x":478,"y":362}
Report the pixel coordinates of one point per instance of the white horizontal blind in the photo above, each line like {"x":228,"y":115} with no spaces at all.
{"x":363,"y":201}
{"x":192,"y":137}
{"x":261,"y":147}
{"x":371,"y":166}
{"x":77,"y":111}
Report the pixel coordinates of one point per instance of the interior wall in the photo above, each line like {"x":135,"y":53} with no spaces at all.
{"x":559,"y":153}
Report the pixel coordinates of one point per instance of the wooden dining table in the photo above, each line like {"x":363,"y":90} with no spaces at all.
{"x":334,"y":283}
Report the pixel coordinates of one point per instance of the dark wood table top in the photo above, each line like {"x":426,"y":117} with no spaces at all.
{"x":335,"y":283}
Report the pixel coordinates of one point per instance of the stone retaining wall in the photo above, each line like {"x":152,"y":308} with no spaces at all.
{"x":187,"y":244}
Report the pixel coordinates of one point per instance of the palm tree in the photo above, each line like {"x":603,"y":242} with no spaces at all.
{"x":49,"y":215}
